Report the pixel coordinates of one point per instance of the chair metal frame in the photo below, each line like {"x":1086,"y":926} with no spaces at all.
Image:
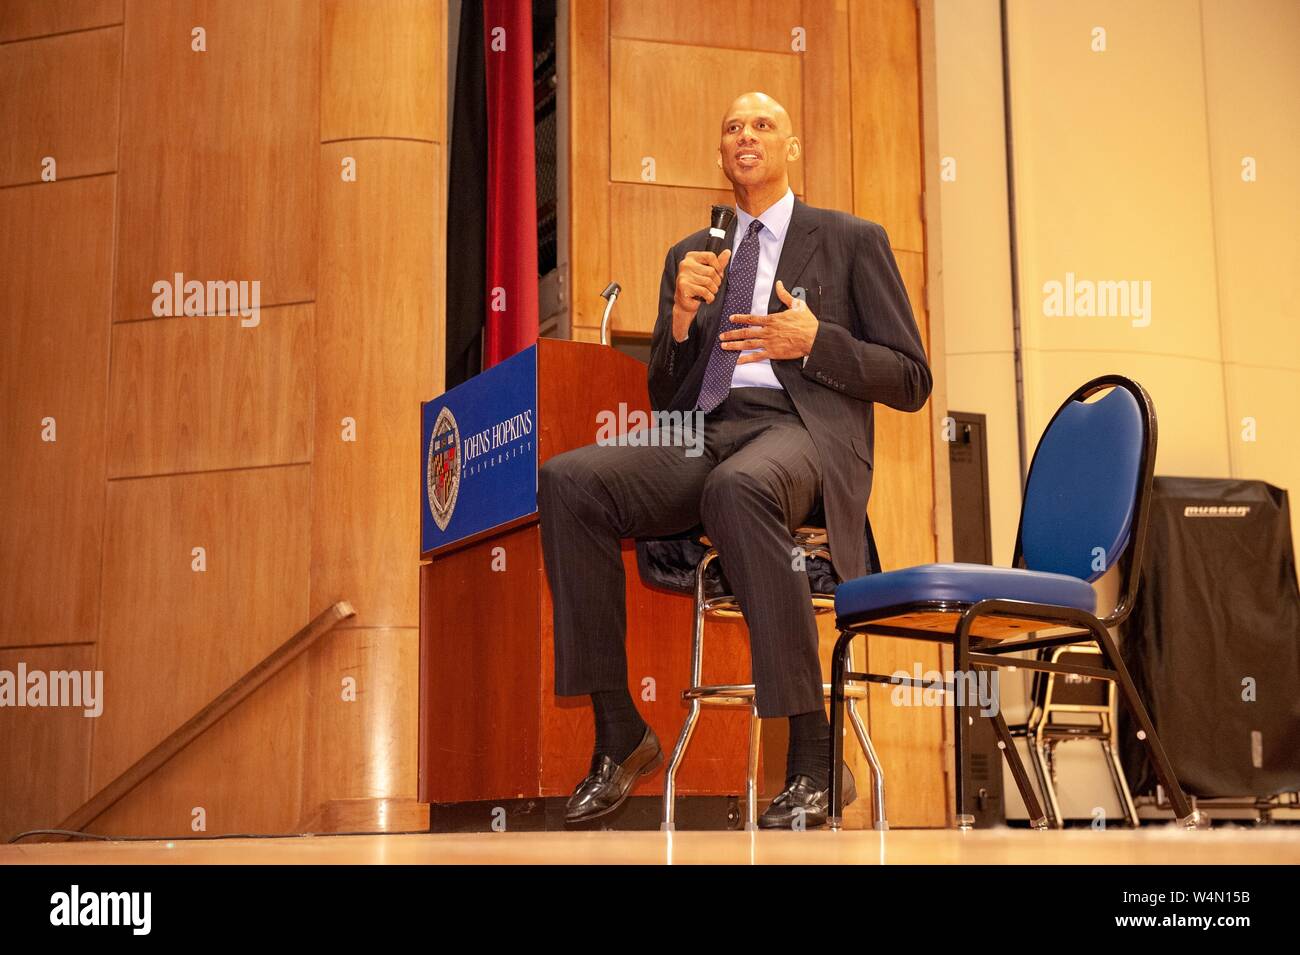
{"x":813,"y":541}
{"x":1042,"y":735}
{"x":972,"y":653}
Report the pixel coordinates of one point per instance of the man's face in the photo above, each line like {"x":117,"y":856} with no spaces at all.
{"x":756,"y":141}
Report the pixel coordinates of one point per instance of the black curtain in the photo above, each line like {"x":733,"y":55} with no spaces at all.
{"x":467,"y":204}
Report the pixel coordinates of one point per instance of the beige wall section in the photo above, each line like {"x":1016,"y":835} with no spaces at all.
{"x":1129,"y":166}
{"x":1113,"y":185}
{"x":1110,"y":184}
{"x":175,"y":433}
{"x":975,"y":245}
{"x":1252,"y":83}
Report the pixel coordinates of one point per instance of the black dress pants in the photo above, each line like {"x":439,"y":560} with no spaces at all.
{"x":757,"y":479}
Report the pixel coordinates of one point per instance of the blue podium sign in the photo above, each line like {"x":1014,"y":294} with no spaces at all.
{"x":479,"y":460}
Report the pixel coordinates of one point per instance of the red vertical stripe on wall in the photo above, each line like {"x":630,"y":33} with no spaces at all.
{"x":512,"y":306}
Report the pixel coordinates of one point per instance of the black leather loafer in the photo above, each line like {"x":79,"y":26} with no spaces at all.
{"x":608,"y":784}
{"x":800,"y":799}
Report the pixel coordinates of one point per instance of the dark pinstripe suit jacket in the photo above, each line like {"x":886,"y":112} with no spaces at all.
{"x":867,"y":350}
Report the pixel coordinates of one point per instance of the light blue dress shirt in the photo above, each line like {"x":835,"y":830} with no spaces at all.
{"x":776,"y":221}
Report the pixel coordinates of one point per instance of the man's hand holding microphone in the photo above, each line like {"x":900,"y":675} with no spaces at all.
{"x":785,"y":334}
{"x":699,"y":276}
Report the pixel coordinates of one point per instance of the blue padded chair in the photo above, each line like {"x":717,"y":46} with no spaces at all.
{"x":1085,"y":504}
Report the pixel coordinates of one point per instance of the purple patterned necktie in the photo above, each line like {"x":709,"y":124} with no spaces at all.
{"x":741,"y":274}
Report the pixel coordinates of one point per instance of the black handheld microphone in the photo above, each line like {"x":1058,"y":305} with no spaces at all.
{"x":719,"y":223}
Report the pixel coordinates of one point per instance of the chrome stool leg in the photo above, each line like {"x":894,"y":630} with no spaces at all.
{"x":667,"y":824}
{"x":670,"y":775}
{"x":751,"y":778}
{"x":877,"y":773}
{"x":730,"y":693}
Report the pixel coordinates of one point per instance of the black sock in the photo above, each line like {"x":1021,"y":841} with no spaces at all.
{"x":810,"y":747}
{"x":619,"y":727}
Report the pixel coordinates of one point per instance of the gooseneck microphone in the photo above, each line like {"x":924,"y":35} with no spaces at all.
{"x":610,"y":295}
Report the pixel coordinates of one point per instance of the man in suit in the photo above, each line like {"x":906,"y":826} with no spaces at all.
{"x":782,"y":343}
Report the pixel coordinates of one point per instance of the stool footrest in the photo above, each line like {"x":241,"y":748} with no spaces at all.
{"x":727,"y":605}
{"x":732,"y":694}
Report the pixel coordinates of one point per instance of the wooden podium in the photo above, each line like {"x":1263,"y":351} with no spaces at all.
{"x":492,"y":731}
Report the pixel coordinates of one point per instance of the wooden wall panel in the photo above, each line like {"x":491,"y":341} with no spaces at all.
{"x":657,"y":108}
{"x":244,"y":773}
{"x":910,"y":739}
{"x":365,"y":747}
{"x":911,"y":266}
{"x":45,"y":749}
{"x":379,"y":333}
{"x":20,"y":19}
{"x":172,"y":637}
{"x":827,"y":130}
{"x":203,"y":393}
{"x":589,"y":252}
{"x":56,"y":252}
{"x":383,"y":69}
{"x":221,"y":156}
{"x":218,"y":155}
{"x":901,"y":505}
{"x":648,"y":214}
{"x":902,"y":495}
{"x":885,"y":76}
{"x":58,"y":98}
{"x":743,"y":26}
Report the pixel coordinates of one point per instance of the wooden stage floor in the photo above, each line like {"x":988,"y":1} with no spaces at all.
{"x":1149,"y":846}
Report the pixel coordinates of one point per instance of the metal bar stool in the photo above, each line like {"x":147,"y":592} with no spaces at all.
{"x":813,"y":542}
{"x":1067,"y":707}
